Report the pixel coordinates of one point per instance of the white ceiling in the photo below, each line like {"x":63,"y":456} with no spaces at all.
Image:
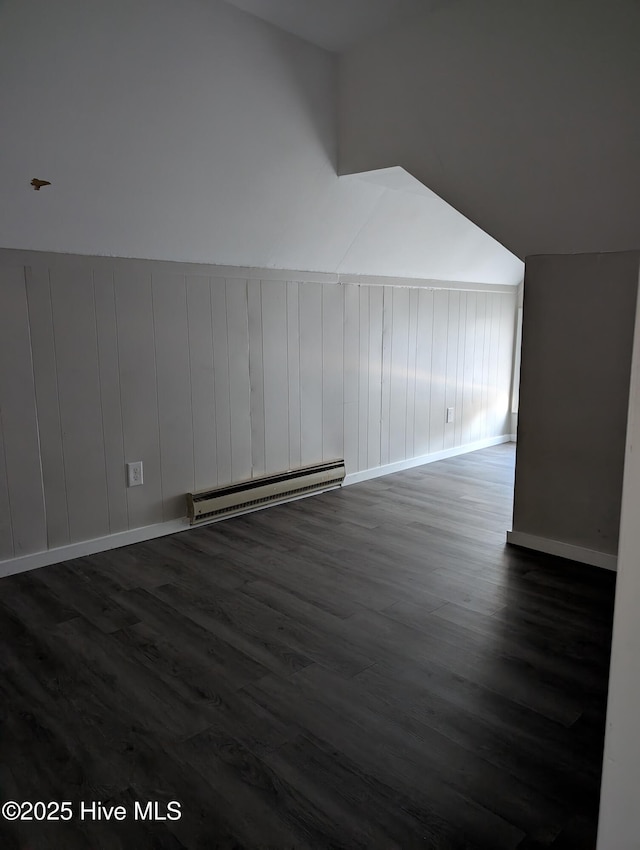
{"x":333,"y":24}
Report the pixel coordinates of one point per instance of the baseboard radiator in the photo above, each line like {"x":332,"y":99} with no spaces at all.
{"x":208,"y":505}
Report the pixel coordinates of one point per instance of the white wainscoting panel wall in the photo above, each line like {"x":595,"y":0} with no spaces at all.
{"x":211,"y":375}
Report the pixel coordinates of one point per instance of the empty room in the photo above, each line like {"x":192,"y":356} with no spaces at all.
{"x":319,"y":389}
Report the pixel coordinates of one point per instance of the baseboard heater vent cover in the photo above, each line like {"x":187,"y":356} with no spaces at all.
{"x":208,"y":505}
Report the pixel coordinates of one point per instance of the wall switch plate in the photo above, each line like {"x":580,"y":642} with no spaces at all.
{"x":449,"y":415}
{"x":134,"y":474}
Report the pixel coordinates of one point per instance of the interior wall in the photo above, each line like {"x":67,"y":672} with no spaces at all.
{"x":578,"y":325}
{"x":189,"y":130}
{"x":618,"y":823}
{"x":212,"y":375}
{"x":524,"y":116}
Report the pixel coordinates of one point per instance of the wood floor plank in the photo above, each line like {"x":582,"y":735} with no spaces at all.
{"x":372,"y":667}
{"x":473,"y":717}
{"x":379,"y":749}
{"x":448,"y":763}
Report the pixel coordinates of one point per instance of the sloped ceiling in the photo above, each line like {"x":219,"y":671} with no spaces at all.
{"x":188,"y":130}
{"x":405,"y":230}
{"x":409,"y":230}
{"x":525,"y":116}
{"x":333,"y":24}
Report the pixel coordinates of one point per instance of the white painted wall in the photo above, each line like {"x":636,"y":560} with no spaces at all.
{"x":411,"y":227}
{"x":189,"y":130}
{"x":525,"y":116}
{"x":212,"y":375}
{"x":577,"y":340}
{"x":618,"y":825}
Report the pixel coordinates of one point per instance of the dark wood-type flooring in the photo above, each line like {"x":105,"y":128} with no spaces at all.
{"x":368,"y":668}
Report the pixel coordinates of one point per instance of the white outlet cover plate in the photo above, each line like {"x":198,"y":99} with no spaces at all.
{"x":134,"y":474}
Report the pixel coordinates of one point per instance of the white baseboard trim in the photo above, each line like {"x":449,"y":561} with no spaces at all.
{"x":563,"y":550}
{"x":388,"y":468}
{"x":24,"y":563}
{"x":35,"y":560}
{"x":89,"y":547}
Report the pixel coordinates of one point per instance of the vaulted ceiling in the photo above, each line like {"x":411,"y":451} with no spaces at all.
{"x":525,"y":117}
{"x":191,"y":130}
{"x":334,"y":24}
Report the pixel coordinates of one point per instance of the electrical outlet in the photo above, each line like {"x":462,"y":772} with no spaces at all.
{"x":449,"y":415}
{"x":134,"y":474}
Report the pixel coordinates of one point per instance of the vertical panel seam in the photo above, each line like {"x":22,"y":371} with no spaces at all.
{"x":286,"y":319}
{"x":446,"y":365}
{"x":6,"y":476}
{"x":499,"y":360}
{"x":412,"y":390}
{"x":26,"y":275}
{"x":115,"y":313}
{"x":368,"y":407}
{"x":486,"y":358}
{"x":155,"y":372}
{"x":193,"y":427}
{"x":390,"y":335}
{"x":460,"y":370}
{"x":245,"y":330}
{"x":299,"y":372}
{"x":433,"y":323}
{"x":264,"y":406}
{"x":495,"y":362}
{"x":357,"y":376}
{"x":213,"y":377}
{"x":415,"y":371}
{"x":382,"y":367}
{"x":322,"y":410}
{"x":226,"y":324}
{"x":55,"y":366}
{"x":360,"y":380}
{"x":104,"y":443}
{"x":473,"y":360}
{"x":407,"y":381}
{"x":344,"y":336}
{"x":384,"y":339}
